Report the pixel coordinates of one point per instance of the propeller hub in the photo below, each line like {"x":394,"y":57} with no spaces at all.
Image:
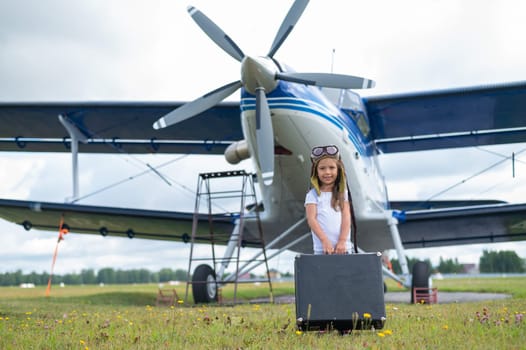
{"x":258,"y":72}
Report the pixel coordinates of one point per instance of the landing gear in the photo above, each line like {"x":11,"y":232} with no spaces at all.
{"x":420,"y":277}
{"x":204,"y":285}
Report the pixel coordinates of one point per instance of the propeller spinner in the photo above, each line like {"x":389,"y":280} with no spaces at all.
{"x":259,"y":76}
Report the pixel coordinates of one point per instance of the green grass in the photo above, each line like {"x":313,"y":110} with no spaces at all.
{"x":124,"y":317}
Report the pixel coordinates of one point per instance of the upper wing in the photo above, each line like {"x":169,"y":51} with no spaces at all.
{"x":113,"y":127}
{"x":449,"y":118}
{"x":475,"y":224}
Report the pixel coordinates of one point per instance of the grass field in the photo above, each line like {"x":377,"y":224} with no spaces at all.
{"x":125,"y":317}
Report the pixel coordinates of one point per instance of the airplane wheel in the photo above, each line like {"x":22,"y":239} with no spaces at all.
{"x":420,"y":277}
{"x":204,"y":286}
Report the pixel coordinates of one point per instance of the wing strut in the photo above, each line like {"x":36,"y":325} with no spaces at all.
{"x":76,"y":135}
{"x":395,"y":235}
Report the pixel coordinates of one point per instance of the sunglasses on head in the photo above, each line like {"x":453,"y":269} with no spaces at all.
{"x":320,"y":151}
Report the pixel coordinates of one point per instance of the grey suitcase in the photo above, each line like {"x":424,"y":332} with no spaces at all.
{"x":339,"y":292}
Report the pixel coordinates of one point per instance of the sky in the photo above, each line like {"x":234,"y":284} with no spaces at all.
{"x":124,"y":50}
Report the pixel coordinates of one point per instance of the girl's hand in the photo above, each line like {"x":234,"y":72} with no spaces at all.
{"x":341,"y":248}
{"x":327,"y":247}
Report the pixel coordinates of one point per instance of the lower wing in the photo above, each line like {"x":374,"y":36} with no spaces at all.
{"x":463,"y":225}
{"x":123,"y":222}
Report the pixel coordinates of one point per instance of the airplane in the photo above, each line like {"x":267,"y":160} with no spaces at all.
{"x":281,"y":116}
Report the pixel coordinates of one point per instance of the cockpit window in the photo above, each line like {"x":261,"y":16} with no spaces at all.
{"x":361,"y":121}
{"x":351,"y":103}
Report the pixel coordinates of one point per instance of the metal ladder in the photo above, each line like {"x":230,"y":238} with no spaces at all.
{"x":231,"y":185}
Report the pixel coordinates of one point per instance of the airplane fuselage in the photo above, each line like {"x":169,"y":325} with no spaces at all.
{"x":304,"y":117}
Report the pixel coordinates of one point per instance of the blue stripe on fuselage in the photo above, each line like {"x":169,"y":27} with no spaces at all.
{"x":310,"y":100}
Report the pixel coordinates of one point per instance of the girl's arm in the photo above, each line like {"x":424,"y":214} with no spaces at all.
{"x":345,"y":229}
{"x":312,"y":211}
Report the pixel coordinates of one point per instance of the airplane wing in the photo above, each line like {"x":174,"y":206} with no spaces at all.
{"x":452,"y":226}
{"x":437,"y":204}
{"x":122,"y":222}
{"x":134,"y":223}
{"x":450,"y":118}
{"x":113,"y":127}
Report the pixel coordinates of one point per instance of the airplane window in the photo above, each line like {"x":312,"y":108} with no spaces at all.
{"x":362,"y":124}
{"x":360,"y":121}
{"x":351,"y":103}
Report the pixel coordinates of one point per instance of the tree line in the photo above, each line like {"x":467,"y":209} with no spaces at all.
{"x":489,"y":262}
{"x":505,"y":261}
{"x":88,"y":276}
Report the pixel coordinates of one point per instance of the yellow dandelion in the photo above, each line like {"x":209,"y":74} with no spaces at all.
{"x":298,"y":332}
{"x":82,"y":342}
{"x":388,"y":332}
{"x":381,"y":334}
{"x":180,"y":301}
{"x":445,"y":326}
{"x":366,"y":315}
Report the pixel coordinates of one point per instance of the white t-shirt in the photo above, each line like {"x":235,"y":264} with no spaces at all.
{"x":329,"y":219}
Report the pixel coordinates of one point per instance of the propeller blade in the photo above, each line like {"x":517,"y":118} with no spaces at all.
{"x":338,"y":81}
{"x":195,"y":107}
{"x":287,"y":25}
{"x":264,"y":137}
{"x":216,"y":34}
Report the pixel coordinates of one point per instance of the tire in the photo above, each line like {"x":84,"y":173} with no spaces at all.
{"x":420,"y":277}
{"x":204,"y":286}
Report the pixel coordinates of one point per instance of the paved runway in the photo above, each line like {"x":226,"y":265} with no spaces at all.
{"x":405,"y":297}
{"x":446,"y":297}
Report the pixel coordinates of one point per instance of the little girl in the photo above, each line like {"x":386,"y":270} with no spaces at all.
{"x":327,"y":203}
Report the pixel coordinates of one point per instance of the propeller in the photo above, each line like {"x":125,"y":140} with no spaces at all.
{"x":195,"y":107}
{"x":216,"y":34}
{"x":264,"y":137}
{"x":287,"y":25}
{"x":330,"y":80}
{"x":259,"y":75}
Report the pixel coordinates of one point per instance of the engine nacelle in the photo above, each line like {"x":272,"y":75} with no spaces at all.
{"x":237,"y":152}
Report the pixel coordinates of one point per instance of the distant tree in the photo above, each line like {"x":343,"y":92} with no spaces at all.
{"x":166,"y":275}
{"x":8,"y":279}
{"x":72,"y":278}
{"x":155,"y":277}
{"x":180,"y":275}
{"x":106,"y":275}
{"x":449,"y":266}
{"x":501,"y":261}
{"x":88,"y":276}
{"x":144,"y":276}
{"x":122,"y":277}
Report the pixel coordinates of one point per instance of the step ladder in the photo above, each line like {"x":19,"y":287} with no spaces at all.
{"x":215,"y":191}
